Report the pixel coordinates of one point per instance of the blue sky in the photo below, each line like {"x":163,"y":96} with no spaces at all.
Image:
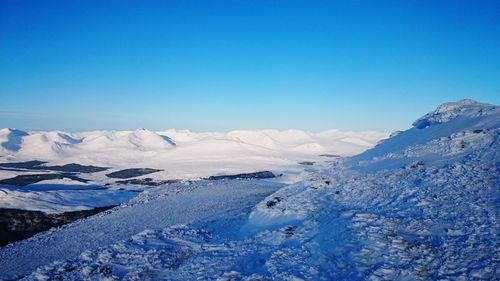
{"x":222,"y":65}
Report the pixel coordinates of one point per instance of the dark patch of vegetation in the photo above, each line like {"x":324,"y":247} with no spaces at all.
{"x":131,"y":173}
{"x":22,"y":180}
{"x":330,"y":155}
{"x":307,"y":163}
{"x":73,"y":168}
{"x":17,"y":224}
{"x":37,"y":165}
{"x":256,"y":175}
{"x":417,"y":164}
{"x":147,"y":182}
{"x":23,"y":165}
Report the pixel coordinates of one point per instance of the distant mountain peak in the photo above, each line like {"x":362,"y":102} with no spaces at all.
{"x":10,"y":138}
{"x":13,"y":131}
{"x":447,"y":111}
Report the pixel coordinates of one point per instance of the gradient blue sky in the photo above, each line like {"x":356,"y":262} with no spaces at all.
{"x":222,"y":65}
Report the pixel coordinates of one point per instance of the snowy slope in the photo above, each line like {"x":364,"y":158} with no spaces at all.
{"x":61,"y":196}
{"x":421,"y":205}
{"x":153,"y":209}
{"x":452,"y":130}
{"x":11,"y":139}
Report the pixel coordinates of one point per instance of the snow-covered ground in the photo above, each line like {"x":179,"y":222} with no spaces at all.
{"x":223,"y":202}
{"x":421,"y":205}
{"x":62,"y":197}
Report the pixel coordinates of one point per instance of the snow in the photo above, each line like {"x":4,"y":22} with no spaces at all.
{"x":183,"y":154}
{"x":10,"y":139}
{"x":421,"y":205}
{"x":464,"y":108}
{"x":476,"y":121}
{"x":59,"y":146}
{"x":156,"y":208}
{"x":61,"y":197}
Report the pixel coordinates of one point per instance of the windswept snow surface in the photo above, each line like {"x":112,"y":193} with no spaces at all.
{"x":61,"y":197}
{"x":154,"y":209}
{"x":422,"y":205}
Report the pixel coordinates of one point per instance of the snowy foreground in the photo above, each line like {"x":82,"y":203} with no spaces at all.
{"x":421,"y":205}
{"x":222,"y":205}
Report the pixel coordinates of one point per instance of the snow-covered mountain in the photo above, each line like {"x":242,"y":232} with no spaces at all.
{"x":51,"y":146}
{"x":421,"y":205}
{"x":453,"y":130}
{"x":182,"y":153}
{"x":11,"y":139}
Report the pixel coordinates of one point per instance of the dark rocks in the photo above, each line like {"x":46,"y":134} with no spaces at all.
{"x":330,"y":155}
{"x":289,"y":231}
{"x":306,"y":163}
{"x":463,"y":144}
{"x":256,"y":175}
{"x":422,"y":123}
{"x":131,"y":173}
{"x":271,"y":203}
{"x":417,"y":164}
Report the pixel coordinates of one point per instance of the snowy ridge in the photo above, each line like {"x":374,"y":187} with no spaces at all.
{"x":16,"y":143}
{"x":464,"y":109}
{"x":457,"y":129}
{"x":10,"y":139}
{"x":421,"y":205}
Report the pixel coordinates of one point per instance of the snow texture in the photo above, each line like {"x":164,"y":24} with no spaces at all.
{"x":155,"y":208}
{"x":61,"y":197}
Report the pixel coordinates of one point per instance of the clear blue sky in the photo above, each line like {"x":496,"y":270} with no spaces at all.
{"x":222,"y":65}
